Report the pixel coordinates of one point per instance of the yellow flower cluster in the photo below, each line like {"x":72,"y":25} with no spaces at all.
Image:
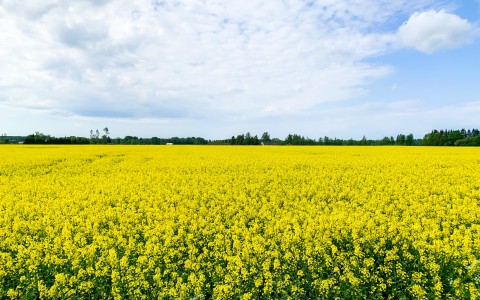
{"x":201,"y":222}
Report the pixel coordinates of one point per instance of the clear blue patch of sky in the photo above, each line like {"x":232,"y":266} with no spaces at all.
{"x":444,"y":77}
{"x":469,"y":10}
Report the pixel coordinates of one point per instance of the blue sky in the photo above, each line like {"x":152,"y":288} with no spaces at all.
{"x":343,"y":68}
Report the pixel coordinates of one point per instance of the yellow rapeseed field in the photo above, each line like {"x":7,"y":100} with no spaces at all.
{"x":225,"y":222}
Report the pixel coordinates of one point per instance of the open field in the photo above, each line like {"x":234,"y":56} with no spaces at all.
{"x":196,"y":222}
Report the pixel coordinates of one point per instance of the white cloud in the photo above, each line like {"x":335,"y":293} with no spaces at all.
{"x":198,"y":60}
{"x":184,"y":58}
{"x":432,"y":30}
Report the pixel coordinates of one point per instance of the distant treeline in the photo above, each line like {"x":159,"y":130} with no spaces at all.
{"x":295,"y":139}
{"x":40,"y":138}
{"x":133,"y":140}
{"x":10,"y":139}
{"x":470,"y":137}
{"x":452,"y":138}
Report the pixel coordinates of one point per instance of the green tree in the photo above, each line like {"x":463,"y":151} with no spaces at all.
{"x":454,"y":136}
{"x":248,"y":139}
{"x":409,"y":140}
{"x":385,"y":141}
{"x":265,"y":137}
{"x":327,"y":140}
{"x":94,"y":136}
{"x":105,"y":137}
{"x":363,"y":141}
{"x":240,"y":139}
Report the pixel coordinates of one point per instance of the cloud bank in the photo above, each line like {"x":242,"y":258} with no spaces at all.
{"x":193,"y":59}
